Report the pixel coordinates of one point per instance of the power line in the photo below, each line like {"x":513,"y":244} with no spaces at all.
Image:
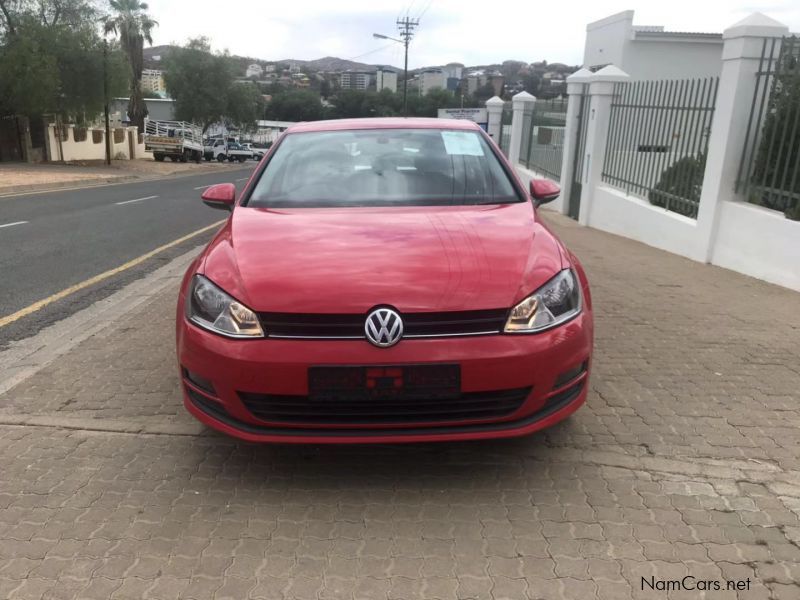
{"x":372,"y":51}
{"x":427,"y":6}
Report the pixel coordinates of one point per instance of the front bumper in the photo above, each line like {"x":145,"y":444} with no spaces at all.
{"x":493,"y":362}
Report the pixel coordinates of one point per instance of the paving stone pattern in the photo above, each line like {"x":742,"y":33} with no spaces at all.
{"x":685,"y":461}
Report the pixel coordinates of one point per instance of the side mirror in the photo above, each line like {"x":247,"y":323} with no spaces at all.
{"x":544,"y":191}
{"x":222,"y":196}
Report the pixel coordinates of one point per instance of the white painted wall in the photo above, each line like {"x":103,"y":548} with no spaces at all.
{"x":606,"y":40}
{"x":758,"y":241}
{"x":89,"y":150}
{"x":611,"y":210}
{"x":615,"y":41}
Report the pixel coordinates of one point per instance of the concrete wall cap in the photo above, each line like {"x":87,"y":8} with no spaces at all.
{"x":611,"y":74}
{"x":756,"y":25}
{"x":523,"y":97}
{"x":582,"y":75}
{"x":495,"y":101}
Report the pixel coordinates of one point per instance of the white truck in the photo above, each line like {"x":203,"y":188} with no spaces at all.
{"x":221,"y":149}
{"x":176,"y":140}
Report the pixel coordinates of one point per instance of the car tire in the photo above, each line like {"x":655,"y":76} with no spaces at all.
{"x":158,"y":157}
{"x":221,"y":158}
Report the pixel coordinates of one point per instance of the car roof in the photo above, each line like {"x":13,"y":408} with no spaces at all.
{"x":383,"y":123}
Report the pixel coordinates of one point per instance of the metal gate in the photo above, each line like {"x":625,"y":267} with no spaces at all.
{"x":574,"y":206}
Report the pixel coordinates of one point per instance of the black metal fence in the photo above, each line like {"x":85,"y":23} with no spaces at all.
{"x":658,"y":140}
{"x":769,"y":170}
{"x":542,"y":143}
{"x":505,"y":128}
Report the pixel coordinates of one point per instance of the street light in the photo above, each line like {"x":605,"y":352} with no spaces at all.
{"x":405,"y":41}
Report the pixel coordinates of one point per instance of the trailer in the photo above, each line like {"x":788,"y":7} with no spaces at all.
{"x":177,"y":140}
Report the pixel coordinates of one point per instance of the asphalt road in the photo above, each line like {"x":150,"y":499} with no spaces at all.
{"x":53,"y":240}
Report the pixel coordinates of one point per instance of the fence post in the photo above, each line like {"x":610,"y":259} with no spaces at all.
{"x":601,"y":94}
{"x":576,"y":88}
{"x":494,"y":111}
{"x":519,"y":103}
{"x":741,"y":55}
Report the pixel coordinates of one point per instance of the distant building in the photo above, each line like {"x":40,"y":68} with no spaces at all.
{"x":650,"y":52}
{"x":153,"y":81}
{"x":269,"y":68}
{"x":355,"y":80}
{"x":474,"y":82}
{"x":453,"y":70}
{"x":432,"y":79}
{"x":453,"y":83}
{"x":385,"y":80}
{"x":253,"y":70}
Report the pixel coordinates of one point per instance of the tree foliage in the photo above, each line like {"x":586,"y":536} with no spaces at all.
{"x":203,"y":86}
{"x":51,"y":60}
{"x":130,"y":21}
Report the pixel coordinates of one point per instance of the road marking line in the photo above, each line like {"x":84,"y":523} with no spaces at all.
{"x":243,"y":179}
{"x":136,"y":200}
{"x":24,"y":312}
{"x":14,"y":223}
{"x":202,"y":187}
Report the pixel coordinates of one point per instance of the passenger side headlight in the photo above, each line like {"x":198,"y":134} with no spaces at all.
{"x":556,"y":302}
{"x":211,"y":308}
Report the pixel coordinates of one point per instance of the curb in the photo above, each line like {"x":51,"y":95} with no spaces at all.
{"x":58,"y":185}
{"x":102,"y":181}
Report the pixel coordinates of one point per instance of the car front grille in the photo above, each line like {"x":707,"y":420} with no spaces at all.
{"x":352,"y":409}
{"x":415,"y":325}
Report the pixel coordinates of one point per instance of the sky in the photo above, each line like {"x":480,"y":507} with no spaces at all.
{"x":467,"y":31}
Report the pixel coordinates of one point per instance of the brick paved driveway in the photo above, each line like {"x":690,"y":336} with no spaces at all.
{"x":686,"y":460}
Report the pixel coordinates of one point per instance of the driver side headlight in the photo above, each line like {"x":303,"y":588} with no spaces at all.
{"x":211,"y":308}
{"x":556,"y":302}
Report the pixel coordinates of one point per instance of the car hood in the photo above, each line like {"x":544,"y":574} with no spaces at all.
{"x":349,"y":260}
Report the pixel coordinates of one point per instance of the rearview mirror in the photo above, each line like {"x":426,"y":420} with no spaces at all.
{"x":544,"y":191}
{"x":222,"y":196}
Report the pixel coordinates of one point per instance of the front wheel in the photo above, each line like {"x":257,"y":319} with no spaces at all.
{"x":221,"y":157}
{"x":158,"y":157}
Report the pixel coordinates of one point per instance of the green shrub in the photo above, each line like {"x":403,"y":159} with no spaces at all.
{"x":680,"y":186}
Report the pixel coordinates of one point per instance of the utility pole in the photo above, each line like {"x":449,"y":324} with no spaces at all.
{"x":406,"y":27}
{"x":105,"y":101}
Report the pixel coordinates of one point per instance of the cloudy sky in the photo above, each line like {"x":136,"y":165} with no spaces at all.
{"x":468,"y":31}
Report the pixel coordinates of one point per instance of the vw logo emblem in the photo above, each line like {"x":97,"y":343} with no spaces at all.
{"x":383,"y":327}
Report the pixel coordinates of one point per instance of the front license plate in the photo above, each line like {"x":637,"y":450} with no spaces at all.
{"x":376,"y":382}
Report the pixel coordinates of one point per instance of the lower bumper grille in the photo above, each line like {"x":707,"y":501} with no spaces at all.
{"x":302,"y":410}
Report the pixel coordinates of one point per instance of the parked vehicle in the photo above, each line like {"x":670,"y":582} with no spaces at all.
{"x":384,"y":280}
{"x":215,"y":149}
{"x":238,"y":152}
{"x":258,"y":153}
{"x":176,"y":140}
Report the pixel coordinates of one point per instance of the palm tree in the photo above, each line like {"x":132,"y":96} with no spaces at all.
{"x":131,"y":22}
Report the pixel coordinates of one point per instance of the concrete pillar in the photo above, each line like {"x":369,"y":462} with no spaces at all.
{"x":576,"y":88}
{"x":494,"y":111}
{"x":601,"y":94}
{"x":741,"y":54}
{"x":520,"y":103}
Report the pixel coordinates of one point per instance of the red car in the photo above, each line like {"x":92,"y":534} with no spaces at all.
{"x":383,"y":280}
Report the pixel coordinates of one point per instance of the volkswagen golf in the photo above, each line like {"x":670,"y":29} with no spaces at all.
{"x":383,"y":280}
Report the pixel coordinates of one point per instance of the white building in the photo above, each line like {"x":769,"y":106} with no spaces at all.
{"x":254,"y":70}
{"x":153,"y":81}
{"x":355,"y":80}
{"x":453,"y":70}
{"x":385,"y":80}
{"x":649,"y":52}
{"x":433,"y":79}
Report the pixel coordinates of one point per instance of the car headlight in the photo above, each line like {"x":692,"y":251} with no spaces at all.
{"x":555,"y":302}
{"x":212,"y":309}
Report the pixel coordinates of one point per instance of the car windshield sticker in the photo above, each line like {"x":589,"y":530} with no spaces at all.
{"x":462,"y":143}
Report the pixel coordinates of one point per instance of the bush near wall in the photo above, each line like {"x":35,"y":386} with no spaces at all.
{"x":680,"y":186}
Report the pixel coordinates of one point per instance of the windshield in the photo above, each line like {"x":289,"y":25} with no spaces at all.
{"x":375,"y":167}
